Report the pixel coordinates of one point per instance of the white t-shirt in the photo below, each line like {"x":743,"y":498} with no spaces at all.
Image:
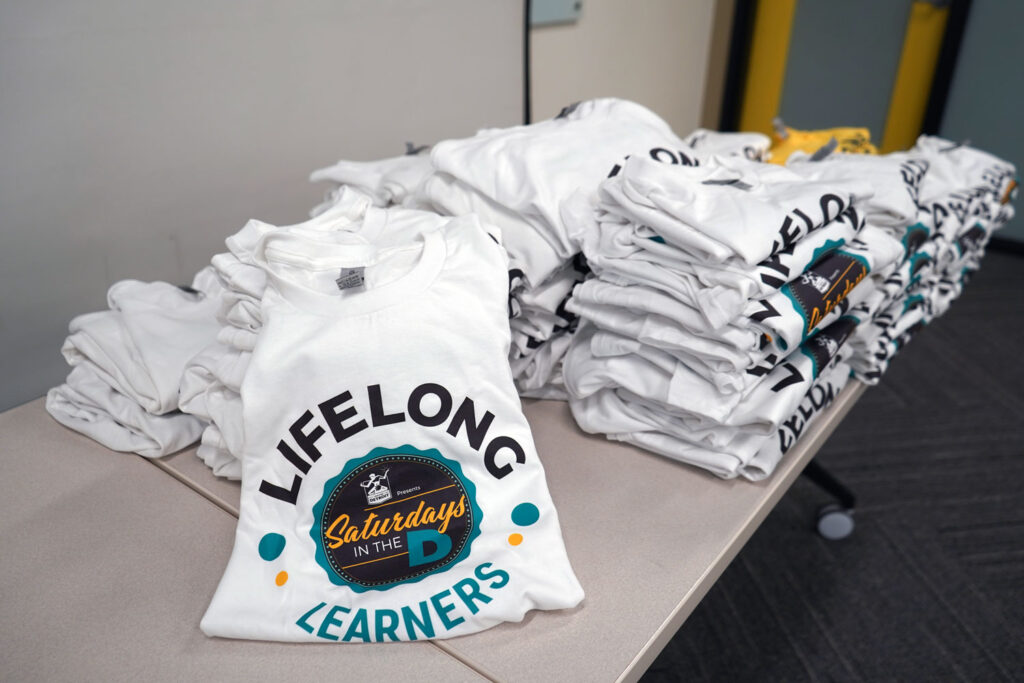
{"x":728,"y":207}
{"x":215,"y":455}
{"x":141,"y":345}
{"x":390,"y":486}
{"x":387,"y":181}
{"x":625,"y":409}
{"x":753,"y":146}
{"x":531,"y":170}
{"x":87,"y":404}
{"x":530,"y":252}
{"x":211,"y":380}
{"x":128,"y":361}
{"x":632,"y":254}
{"x":894,"y":178}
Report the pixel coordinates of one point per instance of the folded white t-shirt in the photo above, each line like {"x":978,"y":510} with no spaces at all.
{"x":87,"y":404}
{"x":728,"y":207}
{"x":141,"y":345}
{"x":390,"y":486}
{"x":385,"y":181}
{"x":532,"y":170}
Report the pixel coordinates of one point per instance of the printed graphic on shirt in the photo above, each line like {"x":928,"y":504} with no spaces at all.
{"x":798,"y":224}
{"x":915,"y":236}
{"x":665,"y":156}
{"x":824,"y":285}
{"x":913,"y":172}
{"x":394,"y":516}
{"x":775,"y":273}
{"x":972,"y":240}
{"x":1010,"y":194}
{"x":823,"y":346}
{"x":917,"y":263}
{"x":815,"y":401}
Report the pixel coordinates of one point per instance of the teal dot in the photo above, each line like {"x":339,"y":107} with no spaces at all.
{"x":271,"y":546}
{"x":525,"y":514}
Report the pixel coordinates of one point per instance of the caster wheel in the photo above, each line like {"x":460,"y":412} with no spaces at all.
{"x":835,"y":522}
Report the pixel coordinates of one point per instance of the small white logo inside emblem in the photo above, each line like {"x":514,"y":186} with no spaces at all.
{"x":377,"y":488}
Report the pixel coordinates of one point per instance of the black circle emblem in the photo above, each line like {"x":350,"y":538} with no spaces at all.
{"x":393,"y":517}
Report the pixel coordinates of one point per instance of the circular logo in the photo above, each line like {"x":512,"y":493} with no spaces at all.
{"x":394,"y":516}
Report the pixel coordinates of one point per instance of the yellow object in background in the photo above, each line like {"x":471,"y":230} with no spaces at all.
{"x":848,"y":141}
{"x":921,"y":46}
{"x":766,"y":69}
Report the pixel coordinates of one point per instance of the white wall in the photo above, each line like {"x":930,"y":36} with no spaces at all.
{"x":136,"y":135}
{"x":654,"y":52}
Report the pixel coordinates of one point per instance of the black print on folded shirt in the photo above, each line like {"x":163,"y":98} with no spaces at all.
{"x":768,"y":311}
{"x":516,"y":281}
{"x":824,"y":286}
{"x":774,"y":263}
{"x":823,"y":346}
{"x":798,"y":224}
{"x":976,"y":202}
{"x":780,"y":273}
{"x":972,"y":240}
{"x":912,"y":171}
{"x":818,"y":398}
{"x":397,"y":516}
{"x":766,"y":366}
{"x":665,"y":156}
{"x":339,"y":414}
{"x":794,"y":377}
{"x":915,"y":237}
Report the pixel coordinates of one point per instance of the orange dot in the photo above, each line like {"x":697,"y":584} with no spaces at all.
{"x":281,"y":578}
{"x":515,"y":539}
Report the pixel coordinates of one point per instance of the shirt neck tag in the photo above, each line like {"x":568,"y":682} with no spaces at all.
{"x":351,"y":277}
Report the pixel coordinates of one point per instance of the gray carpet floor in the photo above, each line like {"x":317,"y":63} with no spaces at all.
{"x":930,"y":587}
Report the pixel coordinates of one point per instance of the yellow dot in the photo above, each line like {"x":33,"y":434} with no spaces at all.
{"x":515,"y":539}
{"x":281,"y":578}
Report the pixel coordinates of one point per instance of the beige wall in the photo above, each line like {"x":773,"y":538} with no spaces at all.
{"x":654,"y":52}
{"x":136,"y":136}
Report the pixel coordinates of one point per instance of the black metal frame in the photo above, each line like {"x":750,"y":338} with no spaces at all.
{"x":830,"y":484}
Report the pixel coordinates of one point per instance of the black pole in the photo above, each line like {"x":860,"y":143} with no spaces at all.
{"x":736,"y":69}
{"x":945,"y":66}
{"x":526,"y":62}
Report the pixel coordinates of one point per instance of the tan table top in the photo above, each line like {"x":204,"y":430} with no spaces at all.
{"x":647,"y":538}
{"x":107,"y":565}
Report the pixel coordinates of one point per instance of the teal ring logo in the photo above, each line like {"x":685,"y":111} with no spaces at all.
{"x":396,"y":515}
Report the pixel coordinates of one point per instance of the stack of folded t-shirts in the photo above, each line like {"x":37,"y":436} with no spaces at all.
{"x":895,"y":180}
{"x":719,"y":300}
{"x":210,"y":386}
{"x":518,"y":179}
{"x":961,"y":195}
{"x":127,"y":363}
{"x":521,"y":179}
{"x":390,"y":488}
